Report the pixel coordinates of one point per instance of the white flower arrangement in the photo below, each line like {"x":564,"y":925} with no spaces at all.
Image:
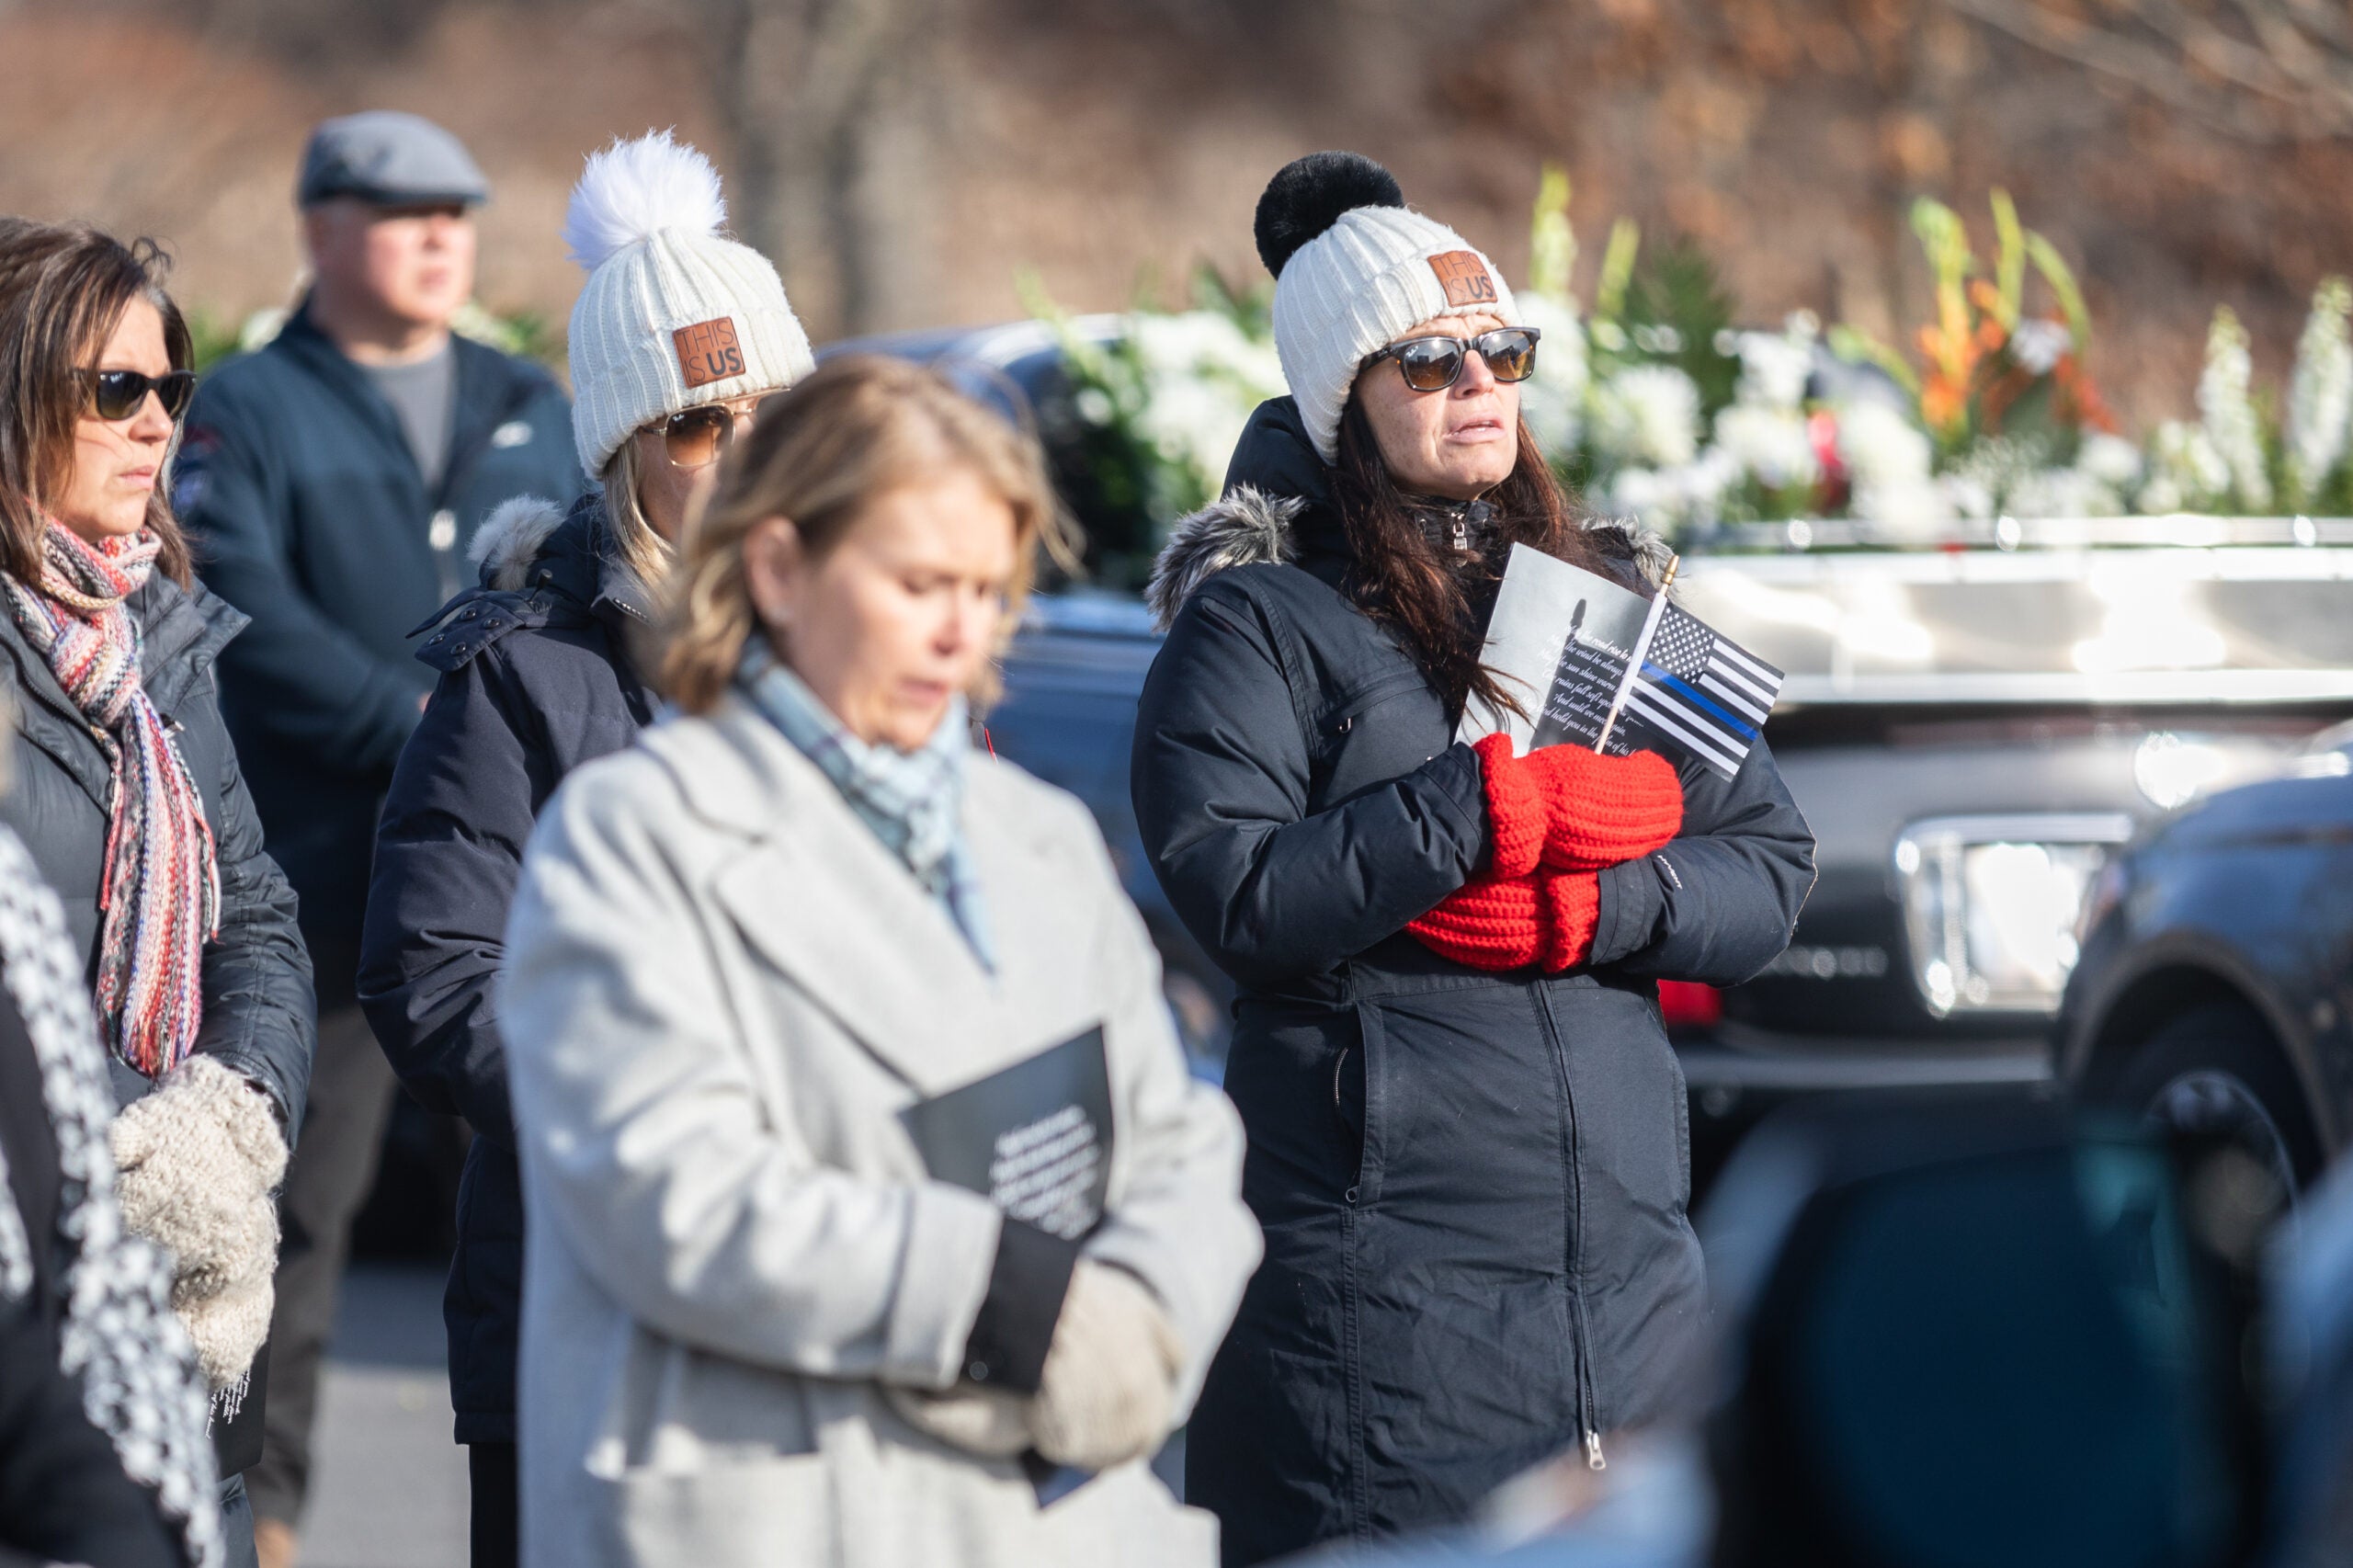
{"x":2226,"y":411}
{"x":2112,"y":461}
{"x":1889,"y":461}
{"x":1768,"y":444}
{"x":1646,"y":416}
{"x":1803,"y":422}
{"x":1202,"y":375}
{"x":1775,"y":366}
{"x":2187,"y":471}
{"x":1553,"y":400}
{"x":2320,"y":394}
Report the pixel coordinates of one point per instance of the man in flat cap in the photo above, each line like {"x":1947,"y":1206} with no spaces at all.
{"x":333,"y":480}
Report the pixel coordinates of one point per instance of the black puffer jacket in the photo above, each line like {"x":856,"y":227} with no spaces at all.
{"x":1472,"y":1186}
{"x":258,"y":1015}
{"x":536,"y":679}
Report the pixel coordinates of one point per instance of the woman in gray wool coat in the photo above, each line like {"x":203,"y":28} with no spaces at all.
{"x":875,"y":1217}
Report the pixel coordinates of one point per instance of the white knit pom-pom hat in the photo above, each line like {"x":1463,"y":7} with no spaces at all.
{"x":674,"y":313}
{"x":1356,"y":268}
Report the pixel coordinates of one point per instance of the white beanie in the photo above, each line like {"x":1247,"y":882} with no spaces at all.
{"x":674,"y":314}
{"x":1356,"y":268}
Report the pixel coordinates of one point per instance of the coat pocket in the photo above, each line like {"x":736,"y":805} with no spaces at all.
{"x":769,"y":1512}
{"x":1358,"y":1080}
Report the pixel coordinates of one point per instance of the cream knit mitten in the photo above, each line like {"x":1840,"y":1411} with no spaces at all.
{"x":200,"y":1159}
{"x":988,"y":1421}
{"x":1108,"y":1387}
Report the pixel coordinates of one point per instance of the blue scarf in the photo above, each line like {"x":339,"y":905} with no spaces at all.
{"x":911,"y":801}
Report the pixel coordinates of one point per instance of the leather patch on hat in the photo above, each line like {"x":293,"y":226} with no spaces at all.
{"x":708,"y":351}
{"x":1464,"y":278}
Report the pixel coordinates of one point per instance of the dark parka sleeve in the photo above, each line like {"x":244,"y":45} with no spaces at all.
{"x":313,"y":687}
{"x":260,"y":1010}
{"x":1718,"y":903}
{"x":1220,"y":777}
{"x":449,"y":854}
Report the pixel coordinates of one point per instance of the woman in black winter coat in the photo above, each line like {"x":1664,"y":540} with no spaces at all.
{"x":1472,"y":1170}
{"x":128,"y":796}
{"x":136,"y":1490}
{"x":539,"y":674}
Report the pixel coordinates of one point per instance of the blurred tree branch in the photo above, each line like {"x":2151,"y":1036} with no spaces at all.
{"x":2255,"y":70}
{"x":823,"y":101}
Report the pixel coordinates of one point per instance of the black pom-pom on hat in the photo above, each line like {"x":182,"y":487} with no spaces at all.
{"x":1308,"y":195}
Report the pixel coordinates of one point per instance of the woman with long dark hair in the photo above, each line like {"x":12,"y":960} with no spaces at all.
{"x":1467,"y":1136}
{"x":128,"y":796}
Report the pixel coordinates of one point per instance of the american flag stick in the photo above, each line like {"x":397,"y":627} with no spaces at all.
{"x":1641,"y":651}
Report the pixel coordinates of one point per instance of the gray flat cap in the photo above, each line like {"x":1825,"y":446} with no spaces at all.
{"x":389,"y":158}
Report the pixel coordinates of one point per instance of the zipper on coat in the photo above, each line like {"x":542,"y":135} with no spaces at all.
{"x":1588,"y":1398}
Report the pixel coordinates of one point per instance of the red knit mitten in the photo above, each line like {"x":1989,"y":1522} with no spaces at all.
{"x":1575,"y":810}
{"x":1505,"y":922}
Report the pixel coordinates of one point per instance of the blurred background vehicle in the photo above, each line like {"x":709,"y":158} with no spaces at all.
{"x":2212,"y":992}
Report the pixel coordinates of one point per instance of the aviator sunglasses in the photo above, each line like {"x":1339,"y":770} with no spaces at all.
{"x":1434,"y":364}
{"x":116,"y":395}
{"x":695,"y":437}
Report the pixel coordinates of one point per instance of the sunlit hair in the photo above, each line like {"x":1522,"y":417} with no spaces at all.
{"x":856,"y":428}
{"x":64,"y":287}
{"x":1404,"y":574}
{"x":647,"y":553}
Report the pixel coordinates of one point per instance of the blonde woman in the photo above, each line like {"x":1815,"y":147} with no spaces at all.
{"x":874,"y":1214}
{"x":539,"y":673}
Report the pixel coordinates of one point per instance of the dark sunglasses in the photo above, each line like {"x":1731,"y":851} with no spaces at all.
{"x":1434,"y":364}
{"x":694,"y":437}
{"x":118,"y":395}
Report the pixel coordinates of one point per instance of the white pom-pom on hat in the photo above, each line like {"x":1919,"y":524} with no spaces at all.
{"x":673,"y":313}
{"x":633,"y":190}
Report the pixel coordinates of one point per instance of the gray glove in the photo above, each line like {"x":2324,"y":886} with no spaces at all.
{"x":1110,"y":1384}
{"x":200,"y":1159}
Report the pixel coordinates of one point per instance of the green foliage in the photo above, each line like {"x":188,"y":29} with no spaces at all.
{"x":2009,"y":265}
{"x":1944,"y":239}
{"x":214,"y":337}
{"x":2062,"y":279}
{"x":1250,"y":307}
{"x":1678,"y":289}
{"x":526,"y":334}
{"x":1617,"y":269}
{"x":1106,"y":470}
{"x":1553,"y":245}
{"x":1857,"y":346}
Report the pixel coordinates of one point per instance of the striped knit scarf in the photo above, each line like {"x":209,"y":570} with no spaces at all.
{"x":161,"y":889}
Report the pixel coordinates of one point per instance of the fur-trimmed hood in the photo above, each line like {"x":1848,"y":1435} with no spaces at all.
{"x":511,"y":538}
{"x":1248,"y":528}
